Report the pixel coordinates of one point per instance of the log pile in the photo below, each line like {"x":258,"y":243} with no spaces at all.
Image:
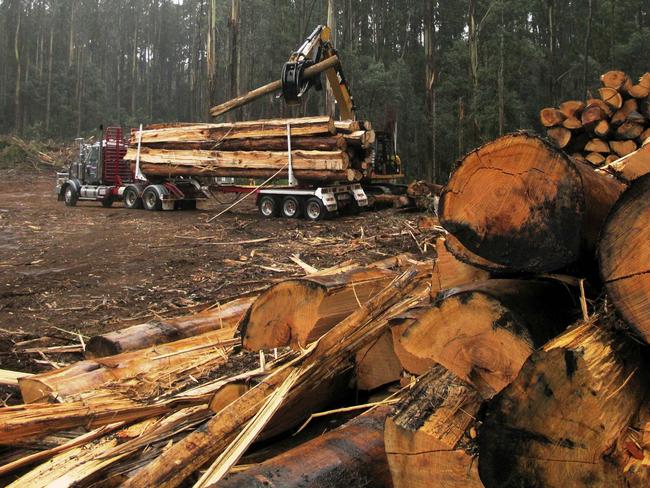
{"x":322,"y":150}
{"x":609,"y":125}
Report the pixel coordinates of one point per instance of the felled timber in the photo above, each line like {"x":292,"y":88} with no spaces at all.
{"x":298,"y":311}
{"x":62,"y":384}
{"x":449,"y":271}
{"x":562,"y":415}
{"x":429,"y":437}
{"x":168,"y":330}
{"x":352,"y":455}
{"x":483,"y":332}
{"x":521,"y":203}
{"x":313,"y":143}
{"x":330,"y":356}
{"x":633,"y":165}
{"x":377,"y":364}
{"x":624,"y":257}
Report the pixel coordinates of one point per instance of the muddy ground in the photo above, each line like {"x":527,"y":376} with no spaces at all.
{"x":88,"y":269}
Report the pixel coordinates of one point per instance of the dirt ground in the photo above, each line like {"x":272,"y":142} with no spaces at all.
{"x":88,"y":269}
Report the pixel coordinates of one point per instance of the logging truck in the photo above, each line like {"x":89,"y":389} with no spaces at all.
{"x":111,"y":170}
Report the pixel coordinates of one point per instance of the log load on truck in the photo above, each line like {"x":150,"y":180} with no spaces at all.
{"x":328,"y":166}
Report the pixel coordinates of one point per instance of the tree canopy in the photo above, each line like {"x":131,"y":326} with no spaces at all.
{"x":445,"y":75}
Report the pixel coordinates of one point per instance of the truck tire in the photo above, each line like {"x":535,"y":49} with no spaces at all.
{"x":315,"y":210}
{"x":151,"y":199}
{"x":268,"y":206}
{"x":291,"y":207}
{"x":132,"y":199}
{"x":70,"y":196}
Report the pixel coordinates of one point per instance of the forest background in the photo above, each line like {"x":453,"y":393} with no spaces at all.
{"x":445,"y":75}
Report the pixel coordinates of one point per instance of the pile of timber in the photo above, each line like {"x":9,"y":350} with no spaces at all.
{"x":322,"y":150}
{"x":514,"y":356}
{"x":605,"y":127}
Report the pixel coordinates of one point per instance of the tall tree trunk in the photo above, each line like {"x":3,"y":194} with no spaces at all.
{"x":473,"y":64}
{"x":212,"y":54}
{"x":501,"y":80}
{"x":550,"y":9}
{"x":48,"y":97}
{"x":79,"y":87}
{"x":430,"y":79}
{"x":71,"y":37}
{"x":134,"y":53}
{"x":587,"y":46}
{"x":330,"y":104}
{"x":17,"y":93}
{"x":233,"y":24}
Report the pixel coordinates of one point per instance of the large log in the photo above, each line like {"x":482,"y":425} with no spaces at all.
{"x":223,"y":160}
{"x":351,"y":456}
{"x":328,"y":358}
{"x":377,"y":364}
{"x":62,"y":384}
{"x":263,"y":128}
{"x":269,"y":88}
{"x":624,"y":256}
{"x":312,"y":143}
{"x":169,"y":170}
{"x":429,"y":437}
{"x":561,"y":417}
{"x":298,"y":311}
{"x":449,"y":271}
{"x":521,"y":203}
{"x":483,"y":332}
{"x":167,"y":330}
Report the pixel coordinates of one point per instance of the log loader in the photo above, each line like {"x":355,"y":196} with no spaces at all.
{"x":100,"y":173}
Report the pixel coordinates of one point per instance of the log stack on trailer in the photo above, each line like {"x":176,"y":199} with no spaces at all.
{"x":322,"y":150}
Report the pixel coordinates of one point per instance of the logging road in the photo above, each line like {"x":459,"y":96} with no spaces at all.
{"x":92,"y":270}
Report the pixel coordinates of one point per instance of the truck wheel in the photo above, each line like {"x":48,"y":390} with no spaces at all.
{"x":268,"y":206}
{"x":315,"y":210}
{"x":151,"y":200}
{"x":70,"y":196}
{"x":132,"y":199}
{"x":291,"y":207}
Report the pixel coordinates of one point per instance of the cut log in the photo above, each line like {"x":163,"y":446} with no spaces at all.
{"x":352,"y":455}
{"x":572,"y":108}
{"x":168,"y":330}
{"x":560,"y":418}
{"x":630,"y":105}
{"x":429,"y":437}
{"x":644,"y":81}
{"x":298,"y":311}
{"x":633,"y":165}
{"x":618,"y":118}
{"x":310,"y":143}
{"x":62,"y":384}
{"x":524,"y":205}
{"x":560,"y":136}
{"x":449,"y":271}
{"x":348,"y":126}
{"x":623,"y":148}
{"x":611,"y":97}
{"x":592,"y":115}
{"x":305,"y":126}
{"x":269,"y":88}
{"x":11,"y":378}
{"x":595,"y":159}
{"x":377,"y":365}
{"x":629,"y":130}
{"x":597,"y":145}
{"x":639,"y":91}
{"x":636,"y":118}
{"x":551,"y":117}
{"x":606,"y":109}
{"x":572,"y":123}
{"x":614,"y":79}
{"x":602,"y":128}
{"x":484,"y":331}
{"x":624,"y":256}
